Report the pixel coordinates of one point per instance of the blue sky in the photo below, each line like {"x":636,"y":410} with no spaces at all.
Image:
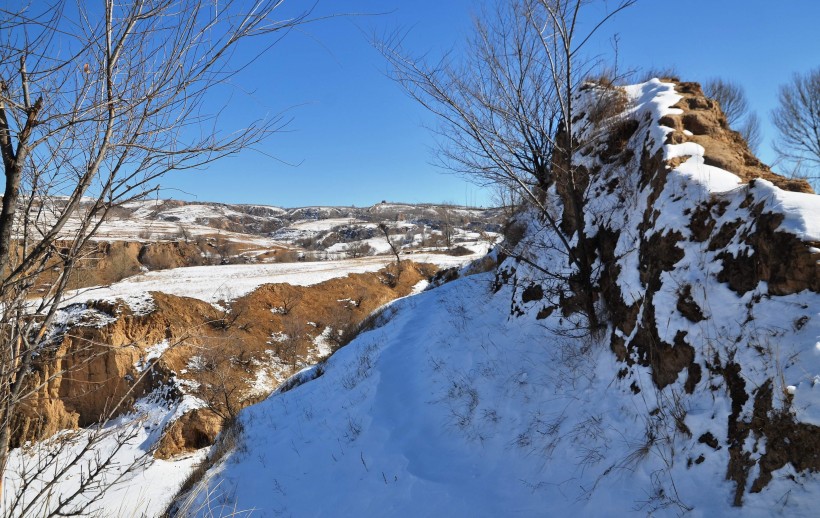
{"x":355,"y":138}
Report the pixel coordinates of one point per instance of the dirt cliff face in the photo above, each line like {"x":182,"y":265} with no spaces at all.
{"x":194,"y":430}
{"x":704,"y":123}
{"x":686,"y":275}
{"x":110,"y":355}
{"x":93,"y":368}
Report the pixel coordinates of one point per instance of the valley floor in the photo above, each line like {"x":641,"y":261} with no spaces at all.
{"x":226,"y":282}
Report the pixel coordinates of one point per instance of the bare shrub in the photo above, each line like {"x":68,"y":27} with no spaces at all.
{"x":342,"y":326}
{"x":287,"y":256}
{"x":359,"y":249}
{"x":667,"y":73}
{"x":219,"y":386}
{"x":288,"y":298}
{"x":293,"y":331}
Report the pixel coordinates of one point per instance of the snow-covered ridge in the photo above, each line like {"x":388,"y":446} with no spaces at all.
{"x":169,"y":218}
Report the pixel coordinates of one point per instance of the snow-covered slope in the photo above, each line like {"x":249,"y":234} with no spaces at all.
{"x":484,"y":398}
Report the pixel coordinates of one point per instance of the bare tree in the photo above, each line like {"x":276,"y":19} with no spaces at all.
{"x":395,"y":247}
{"x":445,"y":215}
{"x":730,"y":96}
{"x":797,"y":118}
{"x":751,"y":131}
{"x":507,"y":113}
{"x":359,"y":249}
{"x":293,"y":330}
{"x":288,"y":298}
{"x":507,"y":198}
{"x":219,"y":386}
{"x":735,"y":106}
{"x":97,"y":103}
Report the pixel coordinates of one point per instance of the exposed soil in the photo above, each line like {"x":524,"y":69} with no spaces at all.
{"x":194,"y":430}
{"x":725,"y":148}
{"x":97,"y":371}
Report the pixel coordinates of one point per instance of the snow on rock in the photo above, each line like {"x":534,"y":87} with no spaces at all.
{"x":800,"y":210}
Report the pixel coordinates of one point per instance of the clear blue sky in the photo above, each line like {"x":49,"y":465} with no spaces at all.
{"x":357,"y":139}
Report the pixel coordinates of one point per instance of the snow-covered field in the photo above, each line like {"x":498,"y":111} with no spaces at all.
{"x":227,"y":282}
{"x":326,"y":224}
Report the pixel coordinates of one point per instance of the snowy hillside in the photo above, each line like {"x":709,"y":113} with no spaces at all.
{"x":487,"y":397}
{"x":172,"y":219}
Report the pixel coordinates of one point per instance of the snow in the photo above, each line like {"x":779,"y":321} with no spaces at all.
{"x":152,"y":353}
{"x":806,"y":402}
{"x":191,"y":213}
{"x":145,"y":491}
{"x":655,"y":97}
{"x":227,"y":282}
{"x":716,"y":179}
{"x":454,"y":408}
{"x":326,"y":224}
{"x":378,"y":244}
{"x":800,"y":210}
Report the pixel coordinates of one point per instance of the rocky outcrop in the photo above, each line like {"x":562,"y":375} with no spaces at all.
{"x":703,"y":123}
{"x":688,"y":258}
{"x":96,"y":368}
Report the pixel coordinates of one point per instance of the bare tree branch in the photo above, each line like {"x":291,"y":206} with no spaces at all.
{"x":99,"y":100}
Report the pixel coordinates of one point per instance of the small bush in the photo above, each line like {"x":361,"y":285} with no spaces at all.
{"x":459,"y":251}
{"x":359,"y":249}
{"x":302,"y":378}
